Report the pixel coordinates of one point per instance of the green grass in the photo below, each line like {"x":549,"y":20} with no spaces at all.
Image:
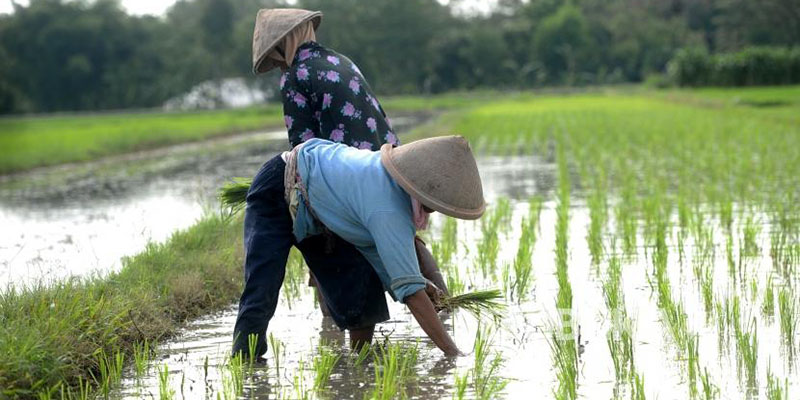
{"x":394,"y":367}
{"x":323,"y":364}
{"x":29,"y":142}
{"x":68,"y":335}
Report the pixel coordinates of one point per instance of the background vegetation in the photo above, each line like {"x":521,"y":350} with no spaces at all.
{"x":59,"y":55}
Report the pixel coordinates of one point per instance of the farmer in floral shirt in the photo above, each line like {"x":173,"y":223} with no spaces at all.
{"x":324,"y":96}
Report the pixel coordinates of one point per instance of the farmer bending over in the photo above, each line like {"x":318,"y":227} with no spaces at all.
{"x":374,"y":200}
{"x":325,"y":96}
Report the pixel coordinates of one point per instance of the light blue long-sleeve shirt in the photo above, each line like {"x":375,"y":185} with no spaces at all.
{"x":356,"y":198}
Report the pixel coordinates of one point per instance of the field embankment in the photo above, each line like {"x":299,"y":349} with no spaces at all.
{"x":53,"y":338}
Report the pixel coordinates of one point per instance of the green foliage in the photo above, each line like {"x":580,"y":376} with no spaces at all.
{"x":560,"y":43}
{"x":749,"y":67}
{"x":59,"y":55}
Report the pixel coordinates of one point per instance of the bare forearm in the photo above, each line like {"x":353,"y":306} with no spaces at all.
{"x":423,"y":311}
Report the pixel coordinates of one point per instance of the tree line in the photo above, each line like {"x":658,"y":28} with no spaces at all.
{"x":65,"y":55}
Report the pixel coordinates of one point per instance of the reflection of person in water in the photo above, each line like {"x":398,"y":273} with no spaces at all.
{"x":324,"y":96}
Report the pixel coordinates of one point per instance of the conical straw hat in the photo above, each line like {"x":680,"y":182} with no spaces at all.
{"x":440,"y":172}
{"x":272,"y":25}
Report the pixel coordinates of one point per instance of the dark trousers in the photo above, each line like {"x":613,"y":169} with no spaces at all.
{"x":348,"y":283}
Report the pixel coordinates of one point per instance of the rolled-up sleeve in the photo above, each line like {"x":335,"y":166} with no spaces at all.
{"x":393,"y":233}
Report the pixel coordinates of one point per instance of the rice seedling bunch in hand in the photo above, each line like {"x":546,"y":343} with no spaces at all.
{"x":233,"y":195}
{"x":477,"y":303}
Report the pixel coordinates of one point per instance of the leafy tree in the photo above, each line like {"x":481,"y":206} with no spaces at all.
{"x":560,"y":42}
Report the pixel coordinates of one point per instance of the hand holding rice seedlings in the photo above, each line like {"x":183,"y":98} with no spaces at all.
{"x":477,"y":303}
{"x":233,"y":195}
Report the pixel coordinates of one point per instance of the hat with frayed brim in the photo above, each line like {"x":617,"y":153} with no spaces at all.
{"x":440,"y":172}
{"x":272,"y":25}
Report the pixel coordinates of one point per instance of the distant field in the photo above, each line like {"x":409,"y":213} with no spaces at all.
{"x":29,"y":142}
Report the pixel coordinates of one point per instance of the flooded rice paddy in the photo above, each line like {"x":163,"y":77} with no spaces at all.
{"x":601,"y":303}
{"x":628,"y":340}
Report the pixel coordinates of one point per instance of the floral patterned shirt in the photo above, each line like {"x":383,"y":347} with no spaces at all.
{"x":325,"y":96}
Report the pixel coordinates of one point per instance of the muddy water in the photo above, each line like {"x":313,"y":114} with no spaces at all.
{"x":78,"y":220}
{"x":195,"y":360}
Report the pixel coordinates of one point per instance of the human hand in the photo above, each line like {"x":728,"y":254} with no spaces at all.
{"x":435,"y":294}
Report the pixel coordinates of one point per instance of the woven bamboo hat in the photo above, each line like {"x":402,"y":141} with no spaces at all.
{"x":272,"y":25}
{"x":440,"y":172}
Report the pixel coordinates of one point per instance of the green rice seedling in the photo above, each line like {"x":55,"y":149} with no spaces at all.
{"x":620,"y":346}
{"x":732,"y":271}
{"x":726,"y":213}
{"x":109,"y":371}
{"x":277,"y":350}
{"x":637,"y":387}
{"x":233,"y":195}
{"x":323,"y":363}
{"x":507,"y":278}
{"x":768,"y":303}
{"x":298,"y":389}
{"x":233,"y":378}
{"x":707,"y":291}
{"x":626,"y":221}
{"x":295,"y":277}
{"x":776,"y":390}
{"x":565,"y":361}
{"x":165,"y":391}
{"x":693,"y":364}
{"x":460,"y":384}
{"x":393,"y":367}
{"x":597,"y":216}
{"x":750,"y":233}
{"x":141,"y":357}
{"x":363,"y":353}
{"x":523,"y":265}
{"x":488,"y":249}
{"x":787,"y":308}
{"x":445,"y":248}
{"x":485,"y":382}
{"x":454,"y":283}
{"x":612,"y":290}
{"x":477,"y":303}
{"x":710,"y":391}
{"x":747,"y":352}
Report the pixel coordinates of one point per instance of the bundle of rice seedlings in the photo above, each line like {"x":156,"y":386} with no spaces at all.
{"x":478,"y":303}
{"x":233,"y":194}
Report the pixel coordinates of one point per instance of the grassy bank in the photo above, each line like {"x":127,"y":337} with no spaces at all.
{"x":58,"y":336}
{"x":29,"y":142}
